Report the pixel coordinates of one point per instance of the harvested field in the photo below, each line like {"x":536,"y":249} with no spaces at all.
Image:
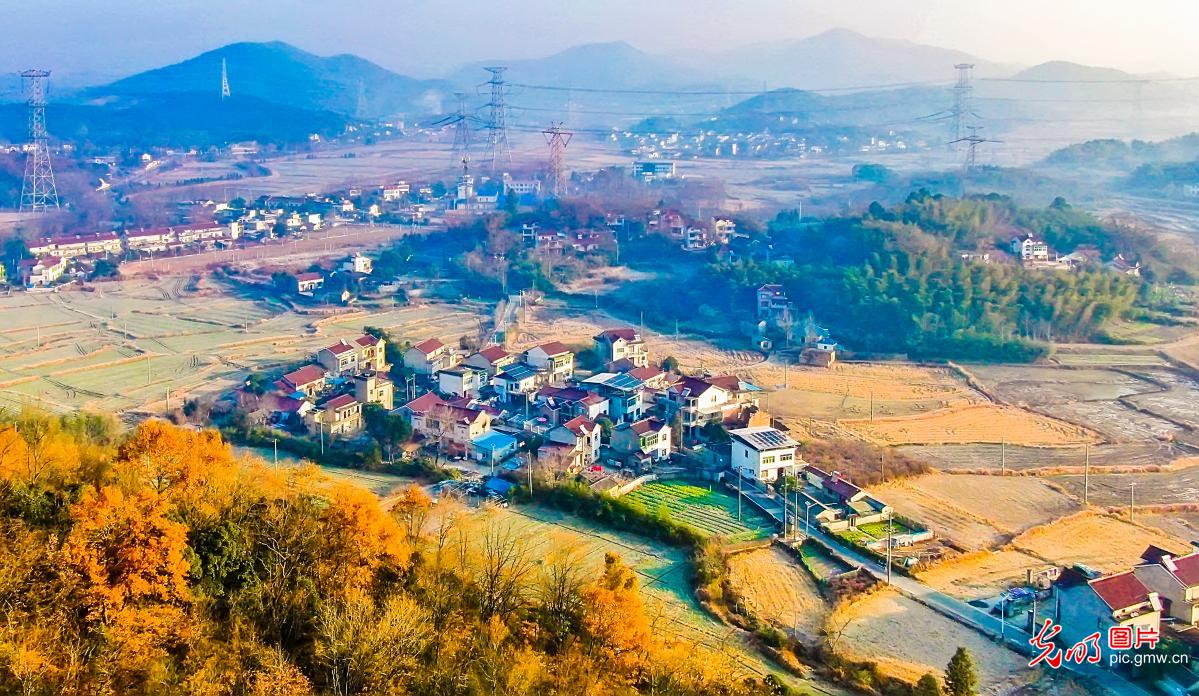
{"x":1032,"y":386}
{"x":1101,"y":541}
{"x":1177,"y":403}
{"x":851,"y":390}
{"x":978,"y":423}
{"x":777,"y":589}
{"x":1181,"y":525}
{"x":980,"y":573}
{"x":1170,"y":487}
{"x":908,"y":640}
{"x":1147,"y":359}
{"x":987,"y":457}
{"x":976,"y":511}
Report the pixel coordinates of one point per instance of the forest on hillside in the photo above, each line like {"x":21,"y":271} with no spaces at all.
{"x":155,"y":562}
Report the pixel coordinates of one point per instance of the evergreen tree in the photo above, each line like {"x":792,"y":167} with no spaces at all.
{"x":961,"y":678}
{"x":929,"y":685}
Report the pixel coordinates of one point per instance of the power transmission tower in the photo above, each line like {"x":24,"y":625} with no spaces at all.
{"x":499,"y":152}
{"x":360,"y":107}
{"x":557,"y":138}
{"x":38,"y":192}
{"x":461,"y":134}
{"x":225,"y":93}
{"x":973,"y":141}
{"x":962,"y":93}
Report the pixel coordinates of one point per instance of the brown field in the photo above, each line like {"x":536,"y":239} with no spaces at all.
{"x":1101,"y":541}
{"x":778,"y":590}
{"x":916,"y":640}
{"x":1185,"y":351}
{"x":976,"y":423}
{"x":977,"y":511}
{"x":980,"y":573}
{"x":987,"y":457}
{"x":1177,"y":485}
{"x":1181,"y":525}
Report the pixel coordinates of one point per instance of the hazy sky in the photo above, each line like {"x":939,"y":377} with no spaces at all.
{"x":114,"y":37}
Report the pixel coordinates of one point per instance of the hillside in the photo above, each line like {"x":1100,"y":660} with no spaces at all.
{"x":282,"y":74}
{"x":596,"y":65}
{"x":842,"y":58}
{"x":1064,"y":70}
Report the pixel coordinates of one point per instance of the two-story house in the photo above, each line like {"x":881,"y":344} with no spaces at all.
{"x":493,"y":359}
{"x":762,"y":453}
{"x":430,"y":357}
{"x":582,"y":436}
{"x":560,"y":404}
{"x":516,"y":382}
{"x":1175,"y":579}
{"x":553,"y":358}
{"x":627,"y":397}
{"x":341,"y":415}
{"x":462,"y":380}
{"x":370,"y":387}
{"x":310,"y":380}
{"x":350,"y":357}
{"x":710,"y":400}
{"x":641,"y":442}
{"x":622,"y":344}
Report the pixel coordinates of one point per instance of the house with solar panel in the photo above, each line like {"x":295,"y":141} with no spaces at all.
{"x":763,"y":453}
{"x":517,"y":382}
{"x":628,"y":398}
{"x":727,"y":399}
{"x":613,"y":345}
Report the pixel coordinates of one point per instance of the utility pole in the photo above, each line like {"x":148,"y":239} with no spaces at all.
{"x":38,"y":192}
{"x":1086,"y":476}
{"x":889,"y":516}
{"x":275,"y":441}
{"x":738,"y":493}
{"x":499,"y":152}
{"x":461,"y":151}
{"x":1132,"y":502}
{"x":557,"y":137}
{"x":1003,"y":457}
{"x":973,"y":141}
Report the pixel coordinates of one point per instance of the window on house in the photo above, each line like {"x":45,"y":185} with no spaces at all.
{"x":768,"y":460}
{"x":786,"y":457}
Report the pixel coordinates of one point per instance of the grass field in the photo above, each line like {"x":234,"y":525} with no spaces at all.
{"x":1101,"y":541}
{"x":778,"y":590}
{"x":709,"y":510}
{"x":986,"y":423}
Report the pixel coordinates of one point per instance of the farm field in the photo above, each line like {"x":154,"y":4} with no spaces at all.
{"x":1181,"y":525}
{"x":777,"y":589}
{"x":1101,"y":541}
{"x":1178,"y":402}
{"x":980,"y":573}
{"x":711,"y":511}
{"x":128,"y":344}
{"x":908,"y":640}
{"x":1170,"y":487}
{"x":1113,"y":359}
{"x":851,"y":390}
{"x":987,"y":456}
{"x":978,"y":423}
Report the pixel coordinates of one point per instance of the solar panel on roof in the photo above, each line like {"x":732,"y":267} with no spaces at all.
{"x":623,"y":381}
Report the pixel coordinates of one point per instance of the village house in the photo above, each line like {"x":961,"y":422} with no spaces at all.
{"x":462,"y":380}
{"x":560,"y":404}
{"x":582,"y":436}
{"x":42,"y":271}
{"x":1175,"y":579}
{"x":641,"y":442}
{"x":417,"y":409}
{"x":1084,"y":604}
{"x":307,"y":283}
{"x":1029,"y":249}
{"x":149,"y":240}
{"x":652,"y":377}
{"x":430,"y":357}
{"x":358,"y":264}
{"x":348,"y":357}
{"x":341,"y":415}
{"x":762,"y":453}
{"x":492,"y":359}
{"x":517,"y":381}
{"x":555,"y":359}
{"x":1121,"y":265}
{"x":627,"y":397}
{"x":493,"y":447}
{"x":724,"y":399}
{"x":370,"y":387}
{"x":452,"y":428}
{"x":622,"y":344}
{"x":308,"y":380}
{"x":772,"y":303}
{"x":855,"y":505}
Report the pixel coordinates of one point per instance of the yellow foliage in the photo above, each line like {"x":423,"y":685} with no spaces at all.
{"x":359,"y":539}
{"x":126,"y":550}
{"x":187,"y":466}
{"x":614,"y":617}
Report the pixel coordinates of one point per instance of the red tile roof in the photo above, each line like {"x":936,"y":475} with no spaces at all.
{"x":423,"y":403}
{"x":309,"y":276}
{"x":305,"y":375}
{"x":339,"y":402}
{"x":726,"y":382}
{"x":367,"y":340}
{"x":339,"y":348}
{"x":628,"y":334}
{"x":494,"y":354}
{"x":647,"y":425}
{"x":554,"y":348}
{"x":645,"y":374}
{"x":579,"y":425}
{"x":1120,"y":591}
{"x":429,"y":346}
{"x":1187,"y":569}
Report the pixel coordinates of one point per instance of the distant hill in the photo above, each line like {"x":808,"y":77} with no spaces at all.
{"x":180,"y":120}
{"x":843,"y":58}
{"x":1063,"y":70}
{"x":279,"y":73}
{"x":597,"y":65}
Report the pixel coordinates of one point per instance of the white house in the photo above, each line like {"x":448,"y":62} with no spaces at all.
{"x":516,"y":381}
{"x":762,"y":452}
{"x":461,"y":380}
{"x":42,"y":271}
{"x":554,"y":358}
{"x":429,"y":357}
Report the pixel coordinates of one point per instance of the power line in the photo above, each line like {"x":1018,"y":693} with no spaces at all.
{"x":557,"y":138}
{"x":38,"y":191}
{"x":499,"y":151}
{"x":722,"y":92}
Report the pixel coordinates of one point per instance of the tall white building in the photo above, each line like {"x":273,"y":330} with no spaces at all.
{"x":762,"y":452}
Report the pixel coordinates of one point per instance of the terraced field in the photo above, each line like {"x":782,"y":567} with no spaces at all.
{"x":709,"y":510}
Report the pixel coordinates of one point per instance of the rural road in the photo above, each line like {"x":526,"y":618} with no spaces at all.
{"x":1014,"y":638}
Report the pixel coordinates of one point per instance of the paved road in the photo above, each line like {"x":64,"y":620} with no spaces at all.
{"x":992,"y":626}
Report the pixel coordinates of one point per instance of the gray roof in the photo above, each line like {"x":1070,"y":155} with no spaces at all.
{"x":763,"y":438}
